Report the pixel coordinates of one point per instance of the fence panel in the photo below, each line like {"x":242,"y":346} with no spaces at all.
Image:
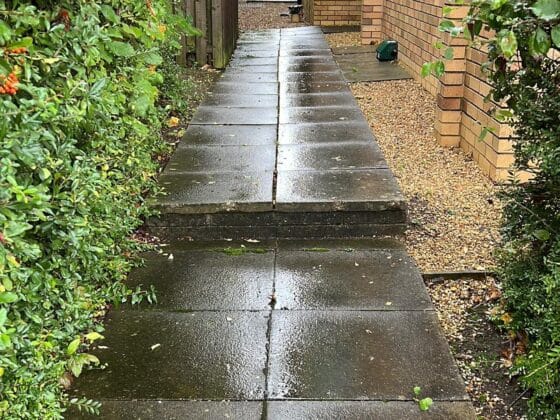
{"x":218,"y":21}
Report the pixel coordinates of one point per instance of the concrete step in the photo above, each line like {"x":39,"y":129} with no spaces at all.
{"x":279,"y":150}
{"x":282,"y":329}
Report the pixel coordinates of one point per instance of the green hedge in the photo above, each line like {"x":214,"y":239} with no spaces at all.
{"x":524,"y":70}
{"x":79,"y":129}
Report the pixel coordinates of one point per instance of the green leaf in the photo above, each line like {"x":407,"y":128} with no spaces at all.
{"x":110,"y":14}
{"x":73,"y":347}
{"x":496,"y":4}
{"x":5,"y":32}
{"x":449,"y":53}
{"x":555,"y":34}
{"x":153,"y":58}
{"x":44,"y":174}
{"x":3,"y":316}
{"x":92,"y":336}
{"x":542,"y":234}
{"x":121,"y":49}
{"x":439,"y":68}
{"x":8,"y":297}
{"x":417,"y":390}
{"x":426,"y":69}
{"x":508,"y":44}
{"x":540,"y":42}
{"x":425,"y":404}
{"x":23,"y":42}
{"x":546,"y":9}
{"x":98,"y":87}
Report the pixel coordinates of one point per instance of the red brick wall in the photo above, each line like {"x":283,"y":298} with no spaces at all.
{"x":460,"y":93}
{"x":333,"y":12}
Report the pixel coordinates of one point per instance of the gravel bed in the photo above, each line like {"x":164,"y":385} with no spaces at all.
{"x":454,"y":214}
{"x":259,"y":16}
{"x":344,"y":39}
{"x":464,"y":308}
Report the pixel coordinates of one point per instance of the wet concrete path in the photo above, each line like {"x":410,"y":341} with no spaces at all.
{"x":279,"y":327}
{"x":280,"y":149}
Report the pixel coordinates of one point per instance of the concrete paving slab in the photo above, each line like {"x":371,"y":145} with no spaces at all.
{"x":366,"y":68}
{"x":311,"y":77}
{"x":366,"y":230}
{"x":245,"y":88}
{"x":368,"y":410}
{"x":173,"y":410}
{"x":214,"y":193}
{"x":368,"y":355}
{"x":358,"y":49}
{"x":206,"y":115}
{"x":379,"y":72}
{"x":226,"y":100}
{"x":214,"y":159}
{"x":324,"y":59}
{"x":255,"y":54}
{"x":249,"y":77}
{"x":320,"y":114}
{"x":385,"y":280}
{"x":303,"y":43}
{"x":312,"y":87}
{"x":355,"y":190}
{"x":318,"y":133}
{"x":209,"y":280}
{"x":342,"y":244}
{"x":180,"y":356}
{"x":306,"y":67}
{"x":215,"y":135}
{"x":309,"y":52}
{"x":318,"y":157}
{"x":252,"y":61}
{"x":317,"y":99}
{"x":270,"y":68}
{"x":256,"y":48}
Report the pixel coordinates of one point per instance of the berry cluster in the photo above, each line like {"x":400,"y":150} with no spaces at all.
{"x":8,"y":85}
{"x":19,"y":50}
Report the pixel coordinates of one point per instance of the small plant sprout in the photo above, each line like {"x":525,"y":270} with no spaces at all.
{"x":424,"y":404}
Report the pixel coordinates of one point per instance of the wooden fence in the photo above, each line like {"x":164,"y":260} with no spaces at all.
{"x":218,"y":21}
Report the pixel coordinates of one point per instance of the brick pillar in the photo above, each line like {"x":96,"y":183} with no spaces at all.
{"x":372,"y":21}
{"x":451,"y":86}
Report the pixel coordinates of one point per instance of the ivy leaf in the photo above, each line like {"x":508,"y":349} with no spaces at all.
{"x":546,"y":9}
{"x":449,"y":53}
{"x":121,"y":49}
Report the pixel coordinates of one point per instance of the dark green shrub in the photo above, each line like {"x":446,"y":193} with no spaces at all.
{"x":524,"y":70}
{"x":76,"y":147}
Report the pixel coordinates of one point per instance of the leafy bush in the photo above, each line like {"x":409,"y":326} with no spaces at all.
{"x":78,"y":133}
{"x":524,"y":69}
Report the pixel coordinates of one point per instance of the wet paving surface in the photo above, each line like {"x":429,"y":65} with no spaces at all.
{"x":278,"y":329}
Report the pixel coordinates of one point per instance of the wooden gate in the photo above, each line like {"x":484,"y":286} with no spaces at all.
{"x":218,"y":21}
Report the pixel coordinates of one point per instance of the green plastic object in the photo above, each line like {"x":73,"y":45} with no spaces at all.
{"x":388,"y":50}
